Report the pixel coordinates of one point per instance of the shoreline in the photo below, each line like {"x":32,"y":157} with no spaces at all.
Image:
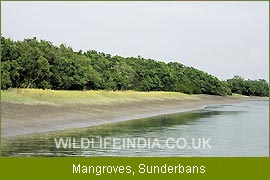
{"x":22,"y":119}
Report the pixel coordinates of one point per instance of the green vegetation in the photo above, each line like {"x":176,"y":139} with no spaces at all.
{"x":92,"y":97}
{"x":248,"y":87}
{"x":39,"y":64}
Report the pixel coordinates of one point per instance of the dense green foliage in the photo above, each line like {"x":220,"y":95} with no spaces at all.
{"x":248,"y":87}
{"x":39,"y":64}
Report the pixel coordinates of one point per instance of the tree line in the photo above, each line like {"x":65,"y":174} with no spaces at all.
{"x":33,"y":63}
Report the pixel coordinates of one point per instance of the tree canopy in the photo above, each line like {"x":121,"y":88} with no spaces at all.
{"x":33,"y":63}
{"x":248,"y":87}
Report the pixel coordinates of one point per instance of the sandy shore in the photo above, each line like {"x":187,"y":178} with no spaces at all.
{"x":21,"y":119}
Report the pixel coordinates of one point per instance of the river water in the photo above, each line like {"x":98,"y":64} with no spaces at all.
{"x":240,"y":129}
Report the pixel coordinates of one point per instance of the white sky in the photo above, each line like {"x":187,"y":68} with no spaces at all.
{"x":221,"y":38}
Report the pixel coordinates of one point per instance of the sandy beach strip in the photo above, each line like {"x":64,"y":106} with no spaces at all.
{"x":21,"y":119}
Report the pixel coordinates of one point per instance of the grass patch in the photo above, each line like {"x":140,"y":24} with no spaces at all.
{"x":238,"y":95}
{"x":100,"y":97}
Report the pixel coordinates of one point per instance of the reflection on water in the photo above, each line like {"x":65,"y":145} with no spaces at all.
{"x":234,"y":130}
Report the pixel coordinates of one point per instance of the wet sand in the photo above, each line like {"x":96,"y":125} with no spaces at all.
{"x":21,"y":119}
